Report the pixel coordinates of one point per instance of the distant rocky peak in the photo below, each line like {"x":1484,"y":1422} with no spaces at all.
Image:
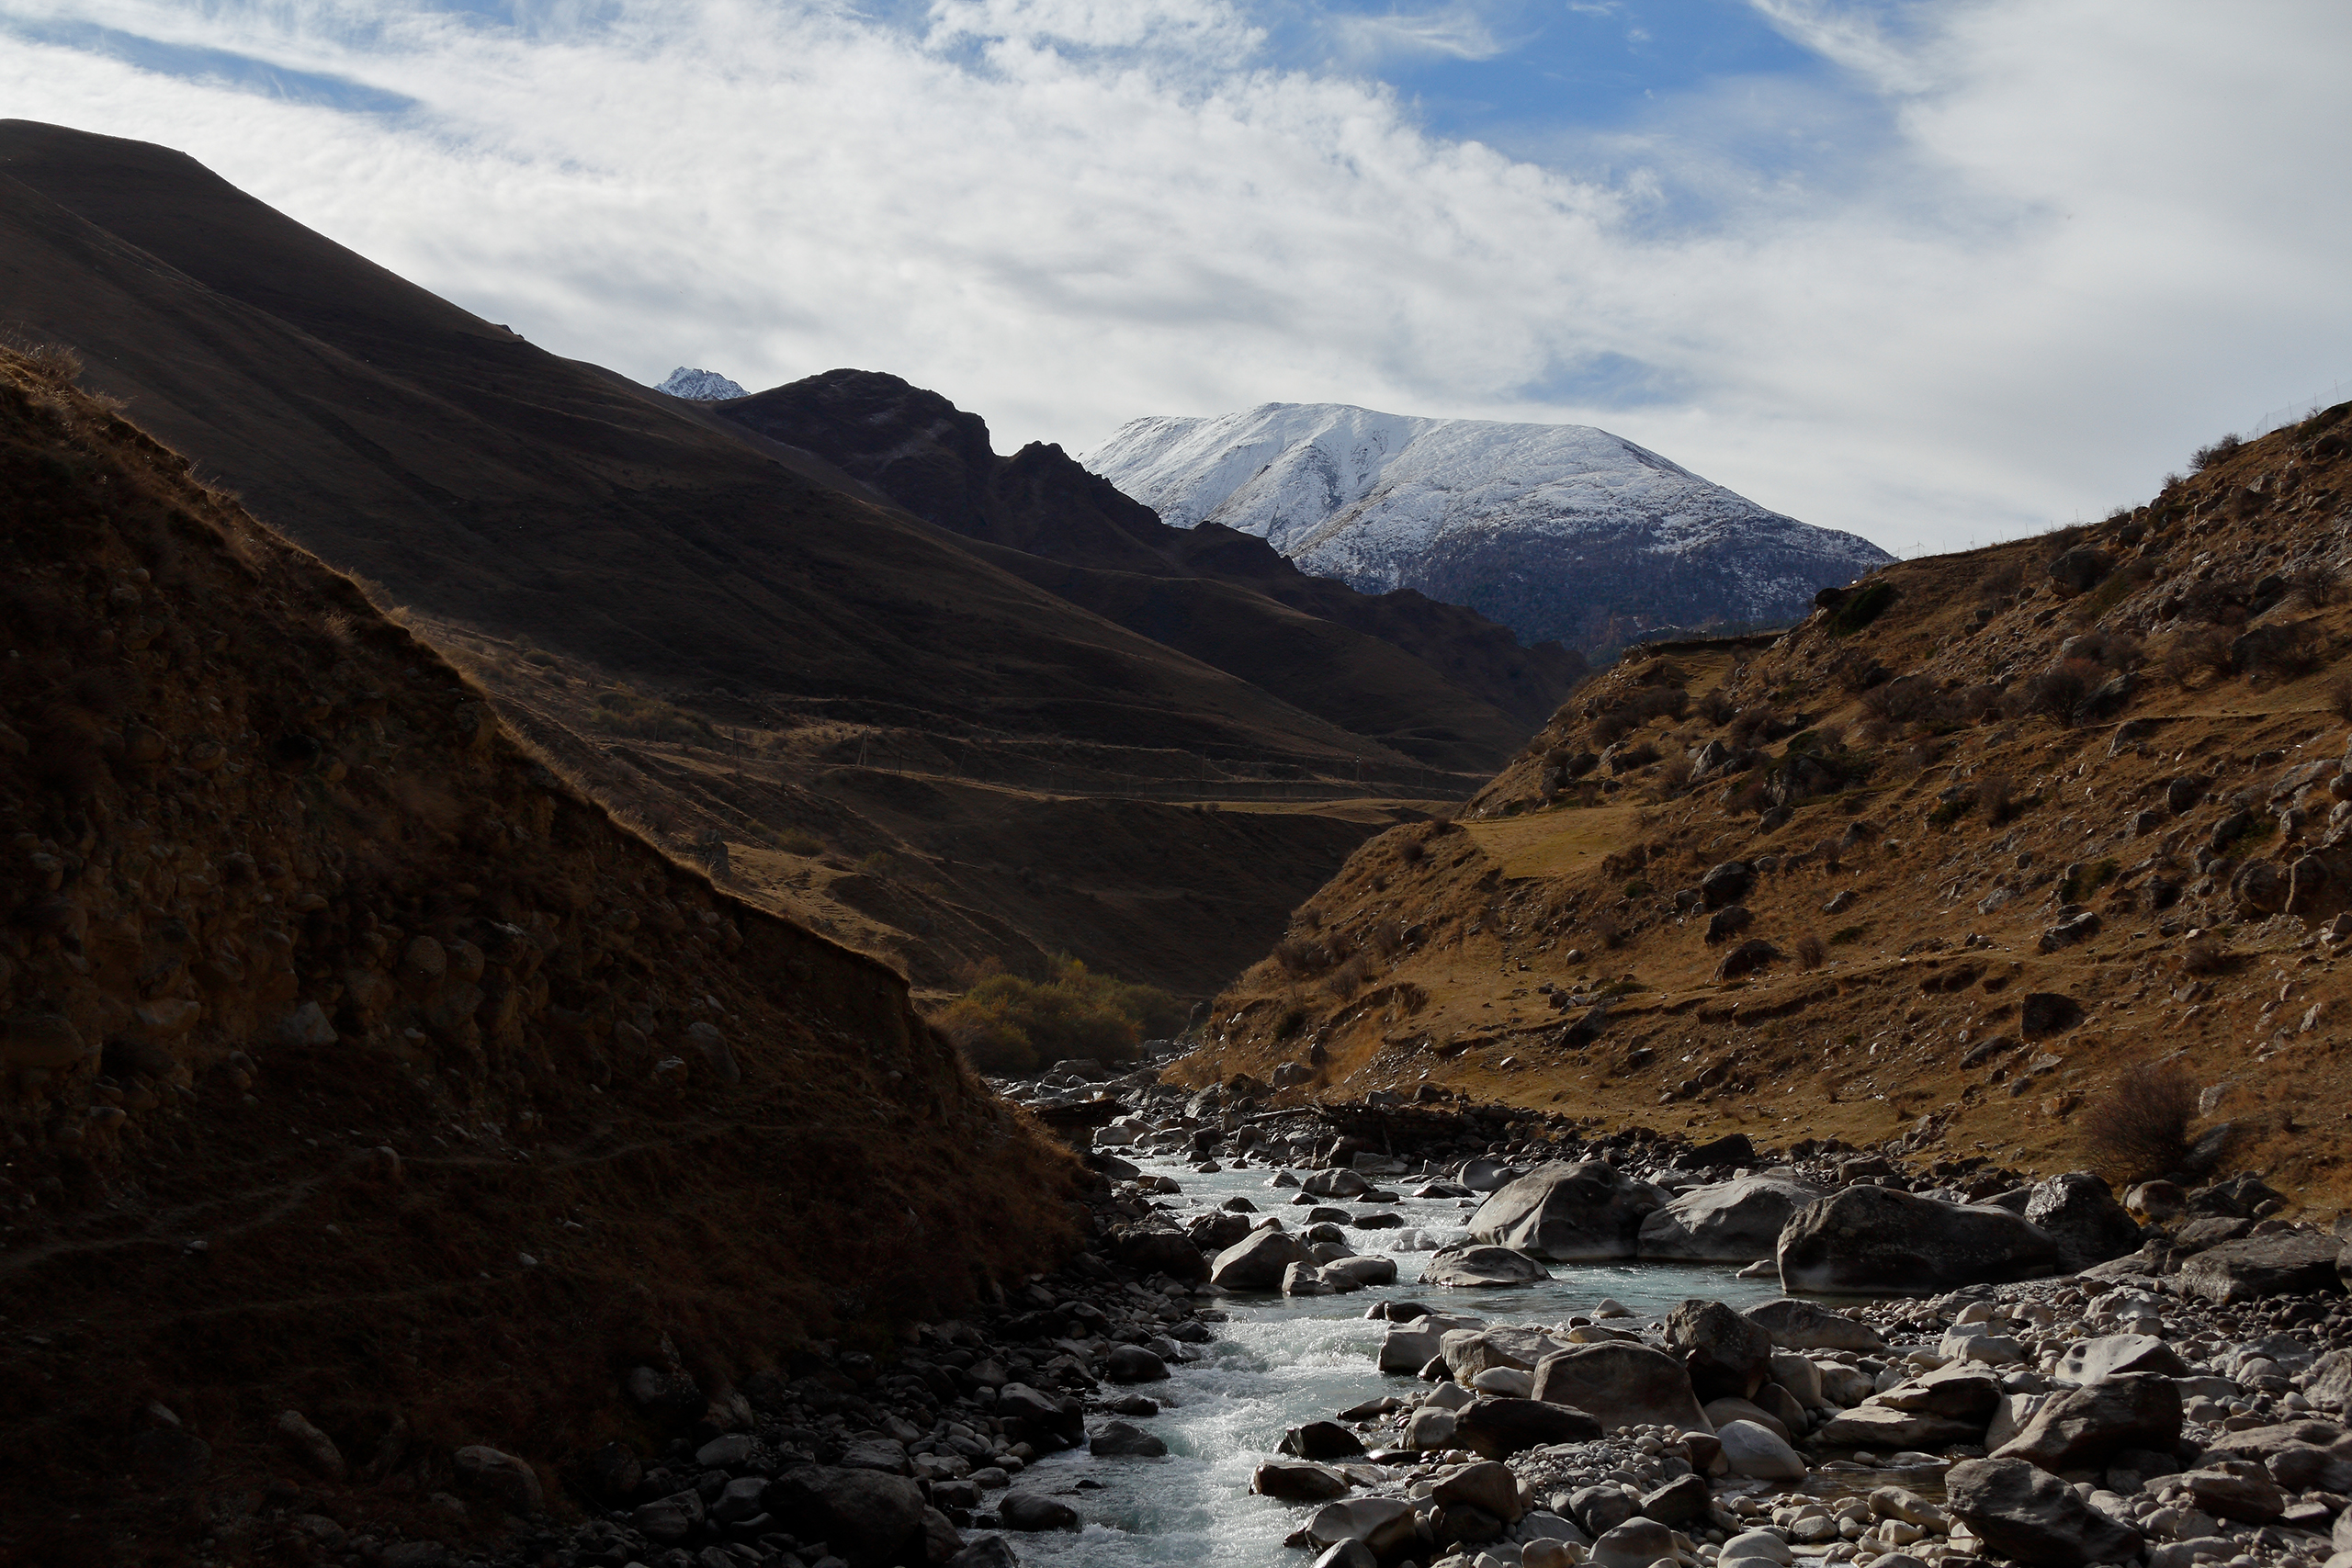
{"x":700,"y":386}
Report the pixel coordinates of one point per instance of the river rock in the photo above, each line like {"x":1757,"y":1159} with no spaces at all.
{"x":1031,"y":1512}
{"x":1509,"y":1383}
{"x":2114,"y":1355}
{"x":1808,"y":1326}
{"x":509,"y":1481}
{"x":1339,"y":1183}
{"x":1469,"y":1351}
{"x":1380,"y":1524}
{"x":2033,"y":1517}
{"x":1498,"y":1427}
{"x":1731,"y":1221}
{"x":1364,"y":1269}
{"x":1298,"y":1481}
{"x":1959,"y":1391}
{"x":1257,"y":1262}
{"x":1564,"y":1213}
{"x":1636,"y":1543}
{"x":1726,"y":1355}
{"x":1720,"y":1411}
{"x":1405,"y":1350}
{"x":870,"y":1519}
{"x":987,"y":1551}
{"x":1125,"y":1439}
{"x":2082,"y":1429}
{"x":1132,"y":1363}
{"x":1756,"y":1546}
{"x":1472,"y":1265}
{"x":1624,"y":1384}
{"x":1680,"y":1504}
{"x":669,"y":1519}
{"x":2290,"y":1263}
{"x":2081,"y":1215}
{"x":1060,"y":1418}
{"x":1881,"y":1427}
{"x":1321,"y":1441}
{"x":1872,"y":1239}
{"x":1487,"y":1486}
{"x":1432,"y":1427}
{"x":1755,"y":1453}
{"x":2235,"y":1489}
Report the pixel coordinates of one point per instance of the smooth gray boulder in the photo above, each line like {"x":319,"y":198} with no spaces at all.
{"x":2116,"y":1355}
{"x":1808,"y":1326}
{"x":2082,"y":1429}
{"x":2294,"y":1263}
{"x":1257,"y":1263}
{"x":1636,"y":1543}
{"x":1298,"y":1481}
{"x":1472,"y":1266}
{"x":1469,"y":1351}
{"x":1564,"y":1213}
{"x":1380,"y":1523}
{"x":1496,"y":1428}
{"x":1125,"y":1439}
{"x":1874,"y":1240}
{"x":1622,"y":1384}
{"x":1731,"y":1222}
{"x":1405,"y":1350}
{"x":2033,"y":1517}
{"x":1033,"y":1511}
{"x":1757,"y":1454}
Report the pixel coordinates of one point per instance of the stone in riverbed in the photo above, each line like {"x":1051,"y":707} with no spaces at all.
{"x":1680,"y":1504}
{"x":1879,"y":1427}
{"x":987,"y":1551}
{"x":1321,"y":1441}
{"x":1636,"y":1543}
{"x":2235,"y":1489}
{"x":1756,"y":1546}
{"x":1258,"y":1262}
{"x":1487,"y":1485}
{"x":2080,"y":1211}
{"x":1754,"y":1452}
{"x":1031,"y":1512}
{"x":2082,"y":1429}
{"x":1132,"y":1363}
{"x":1496,"y":1427}
{"x":1405,"y":1350}
{"x":1872,"y":1239}
{"x":2115,"y":1354}
{"x":1632,"y":1384}
{"x":870,"y":1519}
{"x":1124,"y":1439}
{"x":1298,"y":1481}
{"x":2030,"y":1516}
{"x":1807,"y":1326}
{"x":1726,"y":1356}
{"x":510,"y":1481}
{"x":1563,"y":1212}
{"x":1469,"y":1351}
{"x":1731,"y":1221}
{"x":1472,"y":1266}
{"x":1364,"y":1269}
{"x":2292,"y":1263}
{"x":1380,"y":1523}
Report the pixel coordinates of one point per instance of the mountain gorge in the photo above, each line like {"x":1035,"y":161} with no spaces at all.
{"x":877,"y":724}
{"x":1559,"y":532}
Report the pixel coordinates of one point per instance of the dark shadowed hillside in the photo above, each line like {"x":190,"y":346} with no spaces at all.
{"x":358,"y":1066}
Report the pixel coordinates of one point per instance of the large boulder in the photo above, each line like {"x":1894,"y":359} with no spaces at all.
{"x":1726,"y":883}
{"x":1564,"y":1213}
{"x":1406,"y":1349}
{"x":1472,"y":1266}
{"x":870,"y":1519}
{"x":1382,"y":1524}
{"x":1034,"y":1511}
{"x":1962,"y":1391}
{"x":1731,"y":1222}
{"x":2292,"y":1263}
{"x":2081,"y":1213}
{"x":1808,"y":1326}
{"x":1163,"y":1250}
{"x":1756,"y":1452}
{"x":1469,"y":1351}
{"x":1875,"y":1239}
{"x":1726,"y":1355}
{"x":1636,"y":1543}
{"x":1622,"y":1384}
{"x":2032,"y":1517}
{"x":1298,"y":1481}
{"x":2082,"y":1429}
{"x":1257,"y":1263}
{"x":2114,"y":1355}
{"x":1498,"y":1428}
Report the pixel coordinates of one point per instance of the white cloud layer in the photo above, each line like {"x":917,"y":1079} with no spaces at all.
{"x":2082,"y":236}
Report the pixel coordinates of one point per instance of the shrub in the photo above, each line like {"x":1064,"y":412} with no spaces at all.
{"x":1348,"y":978}
{"x":1006,"y":1024}
{"x":2204,"y":956}
{"x":1998,"y":794}
{"x":1862,"y":606}
{"x":1845,"y":936}
{"x":1410,"y":852}
{"x":1609,"y":930}
{"x":2202,"y":652}
{"x":793,"y":842}
{"x":2085,"y":880}
{"x":1811,"y":953}
{"x":2141,"y":1128}
{"x":2002,"y":578}
{"x":620,"y":712}
{"x":2056,"y":693}
{"x":2219,"y":451}
{"x":2339,"y":697}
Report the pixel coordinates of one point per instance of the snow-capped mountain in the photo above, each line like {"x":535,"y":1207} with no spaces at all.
{"x":1555,"y":530}
{"x":700,"y":386}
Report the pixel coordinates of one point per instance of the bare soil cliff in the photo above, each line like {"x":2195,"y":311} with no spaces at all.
{"x":1937,"y":868}
{"x":356,"y":1065}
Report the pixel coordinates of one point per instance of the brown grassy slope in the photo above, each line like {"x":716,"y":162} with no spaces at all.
{"x":1970,"y":823}
{"x":514,"y":501}
{"x":321,"y":1006}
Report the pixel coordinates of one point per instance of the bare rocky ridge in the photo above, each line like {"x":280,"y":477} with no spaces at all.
{"x":378,"y":1109}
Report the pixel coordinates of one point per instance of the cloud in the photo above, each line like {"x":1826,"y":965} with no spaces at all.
{"x":2010,"y":264}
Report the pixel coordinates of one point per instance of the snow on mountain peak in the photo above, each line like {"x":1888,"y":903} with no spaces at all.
{"x":1555,"y":530}
{"x":700,"y":386}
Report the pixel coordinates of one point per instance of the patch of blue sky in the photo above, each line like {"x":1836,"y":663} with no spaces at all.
{"x":220,"y":67}
{"x":1607,"y":381}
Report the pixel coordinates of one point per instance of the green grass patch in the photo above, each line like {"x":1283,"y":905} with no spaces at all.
{"x":1007,"y":1024}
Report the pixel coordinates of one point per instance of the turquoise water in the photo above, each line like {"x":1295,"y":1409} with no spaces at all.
{"x":1278,"y":1363}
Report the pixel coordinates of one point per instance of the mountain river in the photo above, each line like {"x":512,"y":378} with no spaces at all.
{"x":1278,"y":1363}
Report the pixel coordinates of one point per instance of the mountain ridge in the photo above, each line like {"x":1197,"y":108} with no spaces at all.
{"x":1556,"y":531}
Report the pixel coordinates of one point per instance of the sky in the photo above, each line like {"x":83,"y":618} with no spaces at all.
{"x":1937,"y":272}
